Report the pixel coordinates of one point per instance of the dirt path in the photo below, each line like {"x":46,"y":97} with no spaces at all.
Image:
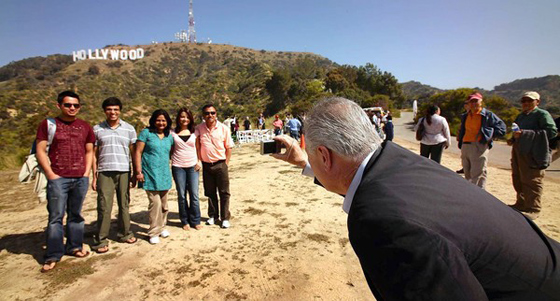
{"x":288,"y":240}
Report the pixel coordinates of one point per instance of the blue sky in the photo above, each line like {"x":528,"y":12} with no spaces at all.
{"x":443,"y":43}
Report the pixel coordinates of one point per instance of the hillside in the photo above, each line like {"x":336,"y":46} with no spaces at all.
{"x":547,"y":86}
{"x":239,"y":81}
{"x":416,"y":90}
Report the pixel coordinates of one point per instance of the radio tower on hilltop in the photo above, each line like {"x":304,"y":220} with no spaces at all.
{"x":191,"y":33}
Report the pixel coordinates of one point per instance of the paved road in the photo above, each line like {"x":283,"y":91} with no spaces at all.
{"x":499,"y":156}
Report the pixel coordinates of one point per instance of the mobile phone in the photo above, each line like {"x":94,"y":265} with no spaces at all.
{"x":270,"y":147}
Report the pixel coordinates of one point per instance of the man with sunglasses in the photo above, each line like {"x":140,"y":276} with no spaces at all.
{"x":213,"y":145}
{"x":66,"y":161}
{"x":530,"y":154}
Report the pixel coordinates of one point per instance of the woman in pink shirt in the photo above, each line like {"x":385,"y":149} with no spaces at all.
{"x":185,"y":166}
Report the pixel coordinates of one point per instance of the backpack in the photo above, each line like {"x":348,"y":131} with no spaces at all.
{"x":51,"y":129}
{"x":420,"y":131}
{"x":31,"y":167}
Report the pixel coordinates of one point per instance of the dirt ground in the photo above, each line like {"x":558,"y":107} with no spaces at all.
{"x":288,"y":241}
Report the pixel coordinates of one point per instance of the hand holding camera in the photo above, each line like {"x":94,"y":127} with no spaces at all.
{"x":293,"y":154}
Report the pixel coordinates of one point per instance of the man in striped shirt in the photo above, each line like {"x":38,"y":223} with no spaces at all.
{"x":111,"y":172}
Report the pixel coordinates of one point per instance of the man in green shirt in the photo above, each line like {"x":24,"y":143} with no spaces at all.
{"x":530,"y":154}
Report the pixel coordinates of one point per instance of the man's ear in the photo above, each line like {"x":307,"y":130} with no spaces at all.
{"x":325,"y":156}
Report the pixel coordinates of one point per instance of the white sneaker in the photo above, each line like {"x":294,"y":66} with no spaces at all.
{"x":210,"y":221}
{"x":154,"y":240}
{"x":164,"y":234}
{"x":225,"y":224}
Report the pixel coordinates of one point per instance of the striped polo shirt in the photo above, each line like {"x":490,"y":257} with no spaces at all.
{"x":113,"y":146}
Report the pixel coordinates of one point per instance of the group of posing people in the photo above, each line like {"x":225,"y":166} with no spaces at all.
{"x":533,"y":131}
{"x":68,"y":149}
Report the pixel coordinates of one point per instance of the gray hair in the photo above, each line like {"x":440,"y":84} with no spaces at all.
{"x":343,"y":127}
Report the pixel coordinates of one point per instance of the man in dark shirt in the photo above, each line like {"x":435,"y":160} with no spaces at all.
{"x":66,"y":162}
{"x":528,"y":174}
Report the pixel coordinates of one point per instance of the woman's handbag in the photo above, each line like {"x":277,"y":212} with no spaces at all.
{"x":420,"y":130}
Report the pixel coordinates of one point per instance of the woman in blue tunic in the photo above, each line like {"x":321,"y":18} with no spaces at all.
{"x":153,"y":148}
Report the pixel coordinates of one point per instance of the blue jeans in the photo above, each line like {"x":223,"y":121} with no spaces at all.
{"x":65,"y":194}
{"x":186,"y":180}
{"x":294,"y":134}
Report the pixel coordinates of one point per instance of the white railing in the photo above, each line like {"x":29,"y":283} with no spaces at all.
{"x":254,"y":136}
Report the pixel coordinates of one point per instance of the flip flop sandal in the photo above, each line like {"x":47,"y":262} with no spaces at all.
{"x":102,"y":250}
{"x":83,"y":254}
{"x":131,"y":240}
{"x":49,"y":262}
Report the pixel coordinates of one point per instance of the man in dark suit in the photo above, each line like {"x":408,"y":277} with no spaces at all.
{"x":419,"y":230}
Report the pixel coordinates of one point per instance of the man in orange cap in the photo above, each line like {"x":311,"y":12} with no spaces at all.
{"x":478,"y":127}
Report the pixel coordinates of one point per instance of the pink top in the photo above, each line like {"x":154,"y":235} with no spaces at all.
{"x":184,"y":153}
{"x":213,"y":142}
{"x":277,"y":124}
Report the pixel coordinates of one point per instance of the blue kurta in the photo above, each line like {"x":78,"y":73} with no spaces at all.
{"x":155,"y":161}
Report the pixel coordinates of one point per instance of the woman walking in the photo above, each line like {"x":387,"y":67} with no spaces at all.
{"x":153,"y":148}
{"x":436,"y":134}
{"x":185,"y":168}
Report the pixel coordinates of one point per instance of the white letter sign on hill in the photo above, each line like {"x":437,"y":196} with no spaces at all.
{"x":103,"y":54}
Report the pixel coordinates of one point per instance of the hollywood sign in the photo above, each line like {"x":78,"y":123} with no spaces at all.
{"x":108,"y":54}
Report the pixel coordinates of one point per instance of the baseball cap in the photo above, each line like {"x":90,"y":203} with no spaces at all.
{"x":532,"y":94}
{"x":474,"y":96}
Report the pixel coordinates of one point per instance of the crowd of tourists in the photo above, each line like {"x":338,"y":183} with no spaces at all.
{"x":533,"y":141}
{"x":68,"y":149}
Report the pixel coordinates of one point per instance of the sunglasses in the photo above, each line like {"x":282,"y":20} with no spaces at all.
{"x":210,"y":113}
{"x":69,"y":105}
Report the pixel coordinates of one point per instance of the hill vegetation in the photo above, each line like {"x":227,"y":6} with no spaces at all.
{"x":239,"y":81}
{"x":547,"y":86}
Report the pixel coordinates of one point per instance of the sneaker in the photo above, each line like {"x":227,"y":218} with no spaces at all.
{"x":210,"y":221}
{"x":225,"y":224}
{"x":164,"y":234}
{"x":154,"y":240}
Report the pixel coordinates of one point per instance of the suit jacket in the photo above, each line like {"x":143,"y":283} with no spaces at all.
{"x":421,"y":232}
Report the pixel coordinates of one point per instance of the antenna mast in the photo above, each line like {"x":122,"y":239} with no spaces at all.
{"x":191,"y":33}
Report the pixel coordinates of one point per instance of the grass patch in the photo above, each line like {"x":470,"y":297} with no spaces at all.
{"x":318,"y":237}
{"x":70,"y":271}
{"x":283,"y":172}
{"x":193,"y":283}
{"x":235,"y":296}
{"x":185,"y":269}
{"x":239,"y":272}
{"x":253,"y":211}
